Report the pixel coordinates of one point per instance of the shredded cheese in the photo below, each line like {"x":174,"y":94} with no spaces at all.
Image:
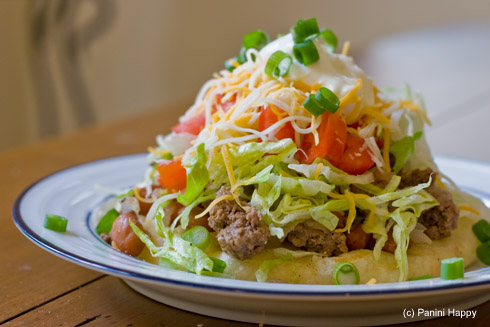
{"x":228,"y":197}
{"x":352,"y":213}
{"x":350,"y":95}
{"x":345,"y":48}
{"x":318,"y":170}
{"x":440,"y":183}
{"x":228,"y":165}
{"x":158,"y":152}
{"x":469,"y":209}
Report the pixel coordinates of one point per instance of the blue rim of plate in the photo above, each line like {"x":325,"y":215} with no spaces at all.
{"x":121,"y":272}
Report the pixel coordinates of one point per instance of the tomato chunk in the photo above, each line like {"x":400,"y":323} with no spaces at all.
{"x":225,"y":106}
{"x":356,"y":159}
{"x":173,"y":176}
{"x":332,"y":134}
{"x":268,"y":118}
{"x":192,"y":125}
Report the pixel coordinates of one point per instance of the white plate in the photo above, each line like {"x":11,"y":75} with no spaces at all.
{"x":70,"y":193}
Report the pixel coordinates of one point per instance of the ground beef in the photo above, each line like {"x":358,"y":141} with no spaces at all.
{"x":240,"y":234}
{"x":439,"y":220}
{"x":317,"y":240}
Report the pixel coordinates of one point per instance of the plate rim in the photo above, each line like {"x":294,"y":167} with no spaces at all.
{"x":142,"y":277}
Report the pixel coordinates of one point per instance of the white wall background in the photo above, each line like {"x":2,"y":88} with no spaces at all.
{"x":156,"y":53}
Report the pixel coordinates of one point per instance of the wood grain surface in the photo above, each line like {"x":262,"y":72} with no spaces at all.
{"x":40,"y":289}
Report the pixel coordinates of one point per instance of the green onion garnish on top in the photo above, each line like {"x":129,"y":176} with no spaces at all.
{"x":105,"y":223}
{"x":483,"y":252}
{"x":345,"y":273}
{"x":55,"y":223}
{"x":330,"y":39}
{"x":482,"y":230}
{"x":304,"y":29}
{"x":278,"y":64}
{"x":452,"y":268}
{"x":323,"y":100}
{"x":199,"y":236}
{"x":256,"y":40}
{"x":306,"y":52}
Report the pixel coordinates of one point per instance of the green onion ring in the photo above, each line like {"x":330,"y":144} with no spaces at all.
{"x":55,"y":223}
{"x":198,"y":236}
{"x":306,"y":52}
{"x":278,"y":64}
{"x":303,"y":29}
{"x":330,"y":39}
{"x":323,"y":100}
{"x":345,"y":273}
{"x":482,"y":230}
{"x":452,"y":268}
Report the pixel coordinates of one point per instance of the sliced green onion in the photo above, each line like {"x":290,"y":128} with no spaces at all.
{"x":278,"y":64}
{"x":256,"y":39}
{"x":218,"y":265}
{"x":330,"y":39}
{"x":420,"y":277}
{"x":321,"y":101}
{"x":303,"y":29}
{"x":105,"y":223}
{"x":452,"y":268}
{"x":55,"y":223}
{"x":306,"y":52}
{"x":345,"y":273}
{"x":483,"y":253}
{"x":482,"y":230}
{"x":199,"y":236}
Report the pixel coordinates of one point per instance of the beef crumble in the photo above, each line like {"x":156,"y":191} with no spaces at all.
{"x":442,"y":219}
{"x":317,"y":240}
{"x":240,"y":234}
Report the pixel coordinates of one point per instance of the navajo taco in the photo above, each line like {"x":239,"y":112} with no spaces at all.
{"x":290,"y":162}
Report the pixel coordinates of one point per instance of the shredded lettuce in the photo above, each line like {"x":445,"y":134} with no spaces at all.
{"x":409,"y":202}
{"x":249,"y":159}
{"x":324,"y":216}
{"x":403,"y":150}
{"x":395,"y":195}
{"x":197,"y":177}
{"x":331,"y":174}
{"x":184,"y":215}
{"x":300,"y":186}
{"x":176,"y":250}
{"x":263,"y":272}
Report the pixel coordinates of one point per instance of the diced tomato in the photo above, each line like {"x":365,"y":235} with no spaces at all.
{"x":332,"y":134}
{"x":192,"y":125}
{"x":227,"y":104}
{"x":268,"y":118}
{"x":356,"y":159}
{"x":173,"y":176}
{"x":195,"y":124}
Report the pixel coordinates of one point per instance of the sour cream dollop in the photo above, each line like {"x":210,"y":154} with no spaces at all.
{"x":334,"y":71}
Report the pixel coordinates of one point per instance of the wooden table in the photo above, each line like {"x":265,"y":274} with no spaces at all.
{"x":40,"y":289}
